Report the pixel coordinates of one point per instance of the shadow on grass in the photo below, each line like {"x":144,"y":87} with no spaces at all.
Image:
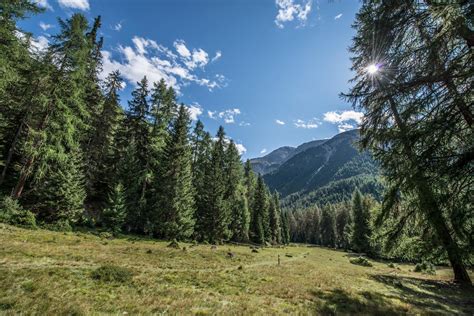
{"x":431,"y":296}
{"x":340,"y":302}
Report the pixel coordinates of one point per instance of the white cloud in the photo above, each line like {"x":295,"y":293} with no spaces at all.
{"x":264,"y":150}
{"x":44,"y":4}
{"x":216,"y":56}
{"x":45,"y":26}
{"x":36,"y":45}
{"x":75,"y":4}
{"x":211,"y":114}
{"x":40,"y":43}
{"x":337,"y":17}
{"x":345,"y":127}
{"x":279,"y":122}
{"x":343,"y":116}
{"x":345,"y":120}
{"x":117,"y":27}
{"x":229,"y":115}
{"x":147,"y":57}
{"x":241,"y":148}
{"x":289,"y":10}
{"x":306,"y":124}
{"x":196,"y":58}
{"x":194,"y":110}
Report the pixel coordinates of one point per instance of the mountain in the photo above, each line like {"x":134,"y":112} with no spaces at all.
{"x":322,"y":171}
{"x":276,"y":158}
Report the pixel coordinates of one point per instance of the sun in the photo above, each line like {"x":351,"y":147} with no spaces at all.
{"x":372,"y":69}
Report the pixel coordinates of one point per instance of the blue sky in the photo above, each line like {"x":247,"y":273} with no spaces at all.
{"x":269,"y":71}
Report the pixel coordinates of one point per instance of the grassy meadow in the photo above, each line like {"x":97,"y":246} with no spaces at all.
{"x":44,"y":272}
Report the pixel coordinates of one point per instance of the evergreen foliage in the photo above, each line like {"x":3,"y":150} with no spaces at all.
{"x":114,"y":215}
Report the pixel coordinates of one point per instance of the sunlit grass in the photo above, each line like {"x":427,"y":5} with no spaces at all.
{"x":47,"y":272}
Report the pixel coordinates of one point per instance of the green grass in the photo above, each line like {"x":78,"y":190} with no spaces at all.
{"x":44,"y":272}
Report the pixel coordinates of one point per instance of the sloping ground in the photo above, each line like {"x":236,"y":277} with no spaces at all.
{"x":43,"y":272}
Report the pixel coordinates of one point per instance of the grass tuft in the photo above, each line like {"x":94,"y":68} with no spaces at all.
{"x":111,"y":273}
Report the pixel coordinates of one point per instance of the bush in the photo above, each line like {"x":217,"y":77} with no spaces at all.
{"x":12,"y":213}
{"x":61,"y":225}
{"x":425,"y":267}
{"x":111,"y":273}
{"x":361,"y":261}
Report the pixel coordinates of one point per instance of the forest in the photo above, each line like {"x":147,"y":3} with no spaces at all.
{"x":71,"y":156}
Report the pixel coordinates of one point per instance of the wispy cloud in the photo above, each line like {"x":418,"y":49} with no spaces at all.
{"x":290,"y":10}
{"x":75,"y":4}
{"x":279,"y":122}
{"x":345,"y":120}
{"x":196,"y":58}
{"x":44,"y":4}
{"x":264,"y":150}
{"x":337,"y":17}
{"x":229,"y":115}
{"x":194,"y":110}
{"x":244,"y":123}
{"x":216,"y":56}
{"x":241,"y":148}
{"x":148,"y":58}
{"x":117,"y":27}
{"x":45,"y":26}
{"x":306,"y":124}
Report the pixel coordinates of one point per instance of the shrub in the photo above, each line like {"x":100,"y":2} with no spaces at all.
{"x":61,"y":225}
{"x":105,"y":235}
{"x":111,"y":273}
{"x":12,"y":213}
{"x":425,"y":267}
{"x":361,"y":261}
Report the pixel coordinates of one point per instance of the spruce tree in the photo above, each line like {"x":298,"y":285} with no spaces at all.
{"x":201,"y":144}
{"x":360,"y":238}
{"x":257,"y":224}
{"x":103,"y":161}
{"x":285,"y":228}
{"x":275,"y":215}
{"x":215,"y":220}
{"x":175,"y":205}
{"x":138,"y":135}
{"x":113,"y":216}
{"x":343,"y":226}
{"x":328,"y":227}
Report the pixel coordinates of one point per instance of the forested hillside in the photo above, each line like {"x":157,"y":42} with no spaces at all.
{"x":70,"y":155}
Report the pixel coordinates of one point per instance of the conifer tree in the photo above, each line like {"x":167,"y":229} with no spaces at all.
{"x":102,"y":148}
{"x":113,"y":216}
{"x":175,"y":205}
{"x":285,"y":228}
{"x":257,"y":225}
{"x":328,"y":227}
{"x":275,"y":215}
{"x":215,"y":220}
{"x":360,"y":239}
{"x":138,"y":136}
{"x":201,"y":144}
{"x":343,"y":225}
{"x":61,"y":191}
{"x":417,"y":123}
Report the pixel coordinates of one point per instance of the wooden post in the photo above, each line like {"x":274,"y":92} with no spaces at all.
{"x":278,"y":259}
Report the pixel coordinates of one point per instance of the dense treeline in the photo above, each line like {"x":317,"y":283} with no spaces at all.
{"x":346,"y":225}
{"x":71,"y":155}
